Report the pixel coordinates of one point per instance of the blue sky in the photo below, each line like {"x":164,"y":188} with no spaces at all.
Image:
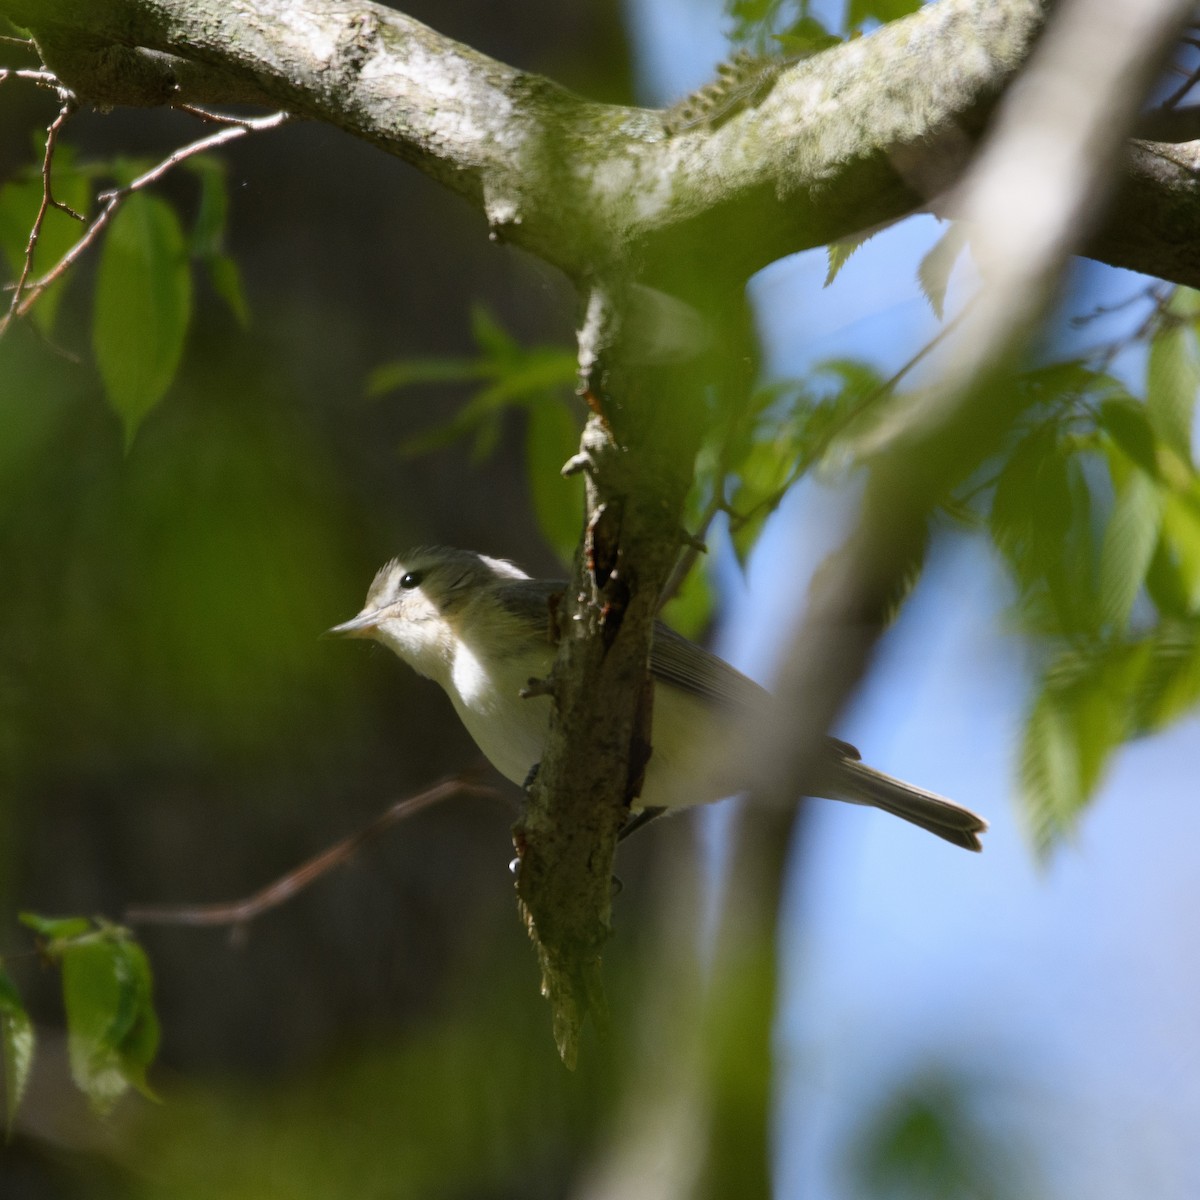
{"x":1068,"y":987}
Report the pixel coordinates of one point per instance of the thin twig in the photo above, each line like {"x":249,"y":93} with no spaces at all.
{"x":1105,"y":310}
{"x":1192,"y":78}
{"x":694,"y":545}
{"x":46,"y":79}
{"x":112,"y":200}
{"x":207,"y":114}
{"x":65,"y":112}
{"x":241,"y":912}
{"x":819,"y":451}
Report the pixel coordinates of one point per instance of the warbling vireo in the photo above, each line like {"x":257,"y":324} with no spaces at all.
{"x":482,"y":628}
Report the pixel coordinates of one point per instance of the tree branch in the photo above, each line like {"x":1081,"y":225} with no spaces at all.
{"x":239,"y":913}
{"x":861,"y":134}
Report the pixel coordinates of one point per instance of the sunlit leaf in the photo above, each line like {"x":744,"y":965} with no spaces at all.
{"x":1172,"y":380}
{"x":1170,"y":681}
{"x":838,"y":253}
{"x":1128,"y":424}
{"x":16,"y":1046}
{"x":933,"y":274}
{"x":112,"y":1031}
{"x":142,"y":307}
{"x":1030,"y":508}
{"x":761,"y":476}
{"x":1181,"y":541}
{"x":1129,"y":542}
{"x":19,"y":203}
{"x":1185,"y":304}
{"x":1049,"y":774}
{"x":1084,"y":711}
{"x":55,"y":928}
{"x":1165,"y":582}
{"x":880,"y":10}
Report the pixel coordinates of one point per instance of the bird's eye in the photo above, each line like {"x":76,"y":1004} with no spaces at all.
{"x":410,"y":579}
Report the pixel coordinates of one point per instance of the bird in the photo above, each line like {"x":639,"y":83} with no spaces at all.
{"x":483,"y":629}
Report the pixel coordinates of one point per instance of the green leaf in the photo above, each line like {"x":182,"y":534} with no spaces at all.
{"x":1172,"y":380}
{"x":1185,"y":304}
{"x":1181,"y":541}
{"x":761,"y":478}
{"x":226,"y":279}
{"x":1084,"y":711}
{"x":551,"y":437}
{"x":212,"y":213}
{"x":1128,"y":424}
{"x":16,"y":1047}
{"x":838,"y":253}
{"x":1170,"y":682}
{"x":55,"y":929}
{"x":1049,"y":775}
{"x":491,"y":337}
{"x":392,"y":377}
{"x":879,"y":10}
{"x":690,"y":610}
{"x":112,"y":1031}
{"x":1128,"y":546}
{"x":142,"y":307}
{"x":1031,"y":504}
{"x":473,"y":418}
{"x":933,"y":274}
{"x":19,"y":203}
{"x":208,"y":234}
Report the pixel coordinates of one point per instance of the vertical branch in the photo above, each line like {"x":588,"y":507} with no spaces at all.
{"x":637,"y":458}
{"x":65,"y":112}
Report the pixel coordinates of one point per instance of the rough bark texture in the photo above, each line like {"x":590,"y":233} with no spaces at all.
{"x":860,"y":134}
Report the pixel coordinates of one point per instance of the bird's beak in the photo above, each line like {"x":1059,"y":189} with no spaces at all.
{"x":362,"y":626}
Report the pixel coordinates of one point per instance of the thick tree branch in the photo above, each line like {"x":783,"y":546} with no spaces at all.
{"x":856,"y":136}
{"x":637,"y":453}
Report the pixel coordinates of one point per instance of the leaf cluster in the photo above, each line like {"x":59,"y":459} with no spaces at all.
{"x":141,"y":305}
{"x":538,"y":381}
{"x":1095,"y":506}
{"x":112,"y":1028}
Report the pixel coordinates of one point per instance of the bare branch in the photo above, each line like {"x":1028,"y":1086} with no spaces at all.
{"x":857,"y":135}
{"x":240,"y":913}
{"x":234,"y":127}
{"x":827,"y":151}
{"x":65,"y":112}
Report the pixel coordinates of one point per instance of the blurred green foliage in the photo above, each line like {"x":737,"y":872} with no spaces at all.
{"x":536,"y":380}
{"x":928,"y":1140}
{"x":169,"y":560}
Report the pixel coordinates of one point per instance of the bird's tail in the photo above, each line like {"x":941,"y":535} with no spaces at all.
{"x":857,"y":783}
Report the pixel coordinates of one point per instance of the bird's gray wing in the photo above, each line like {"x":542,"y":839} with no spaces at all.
{"x":533,"y":603}
{"x":676,"y":660}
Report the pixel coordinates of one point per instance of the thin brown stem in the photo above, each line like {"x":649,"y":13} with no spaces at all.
{"x":110,"y":201}
{"x":238,"y":913}
{"x":65,"y":112}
